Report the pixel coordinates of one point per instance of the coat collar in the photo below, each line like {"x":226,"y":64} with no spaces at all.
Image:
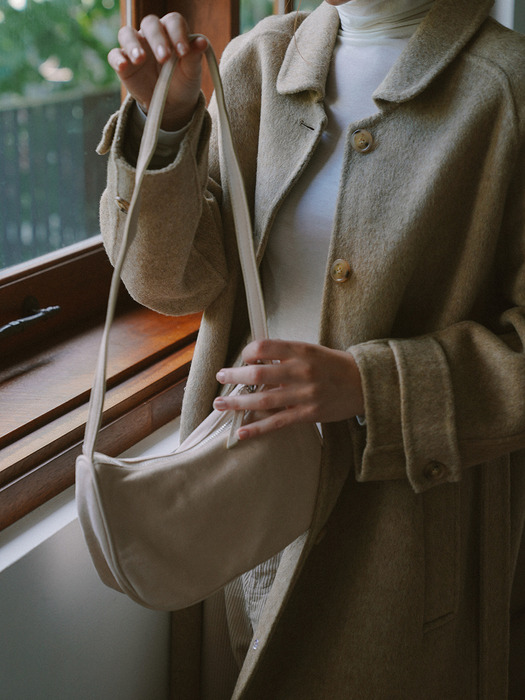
{"x":449,"y":25}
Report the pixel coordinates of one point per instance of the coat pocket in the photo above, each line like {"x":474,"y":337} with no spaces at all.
{"x":441,"y":542}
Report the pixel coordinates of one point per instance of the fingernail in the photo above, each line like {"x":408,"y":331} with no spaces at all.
{"x":136,"y":53}
{"x":219,"y":403}
{"x":182,"y":49}
{"x":220,"y":377}
{"x":161,"y":52}
{"x":242,"y":434}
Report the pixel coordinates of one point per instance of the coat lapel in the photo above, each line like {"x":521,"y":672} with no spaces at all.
{"x":444,"y":32}
{"x":307,"y":61}
{"x":295,"y":116}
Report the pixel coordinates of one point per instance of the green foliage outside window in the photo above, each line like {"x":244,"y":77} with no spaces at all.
{"x":49,"y":46}
{"x":56,"y":92}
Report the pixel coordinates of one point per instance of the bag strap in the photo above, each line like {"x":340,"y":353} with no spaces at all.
{"x":242,"y":220}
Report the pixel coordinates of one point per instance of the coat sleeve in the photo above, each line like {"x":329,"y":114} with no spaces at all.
{"x":452,"y":399}
{"x":180,"y":259}
{"x":176,"y":264}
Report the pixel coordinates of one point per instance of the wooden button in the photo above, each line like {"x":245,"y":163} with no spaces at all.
{"x":362,"y":141}
{"x":340,"y":270}
{"x":122,"y":204}
{"x":435,"y":471}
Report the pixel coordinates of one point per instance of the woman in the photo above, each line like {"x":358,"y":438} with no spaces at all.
{"x":381,"y":142}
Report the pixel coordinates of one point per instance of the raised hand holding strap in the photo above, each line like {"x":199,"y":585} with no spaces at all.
{"x":243,"y":226}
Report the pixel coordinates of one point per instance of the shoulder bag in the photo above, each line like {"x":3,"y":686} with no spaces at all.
{"x":169,"y":531}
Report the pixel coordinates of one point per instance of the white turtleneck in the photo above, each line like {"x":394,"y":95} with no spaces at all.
{"x":361,"y":20}
{"x":372,"y":35}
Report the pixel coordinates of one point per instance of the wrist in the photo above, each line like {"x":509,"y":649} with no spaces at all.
{"x":177,"y":119}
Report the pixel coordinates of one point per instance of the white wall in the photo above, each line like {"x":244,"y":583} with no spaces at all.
{"x":503,"y":11}
{"x":63,"y":634}
{"x":66,"y":637}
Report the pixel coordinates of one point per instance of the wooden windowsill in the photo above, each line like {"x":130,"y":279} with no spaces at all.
{"x":44,"y":401}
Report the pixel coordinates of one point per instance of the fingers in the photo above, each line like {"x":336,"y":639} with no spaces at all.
{"x":160,"y":41}
{"x":175,"y":32}
{"x":252,"y":375}
{"x":137,"y":64}
{"x":268,"y":350}
{"x":311,"y":383}
{"x":176,"y":35}
{"x":158,"y":37}
{"x":273,"y":362}
{"x":268,"y":400}
{"x":293,"y":398}
{"x":119,"y":61}
{"x":132,"y":46}
{"x":278,"y":420}
{"x":269,"y":410}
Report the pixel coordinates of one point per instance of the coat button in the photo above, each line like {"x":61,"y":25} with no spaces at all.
{"x":340,"y":270}
{"x":122,"y":204}
{"x":435,"y":471}
{"x":362,"y":141}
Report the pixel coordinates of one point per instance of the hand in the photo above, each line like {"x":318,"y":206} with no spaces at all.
{"x":138,"y":61}
{"x":307,"y":384}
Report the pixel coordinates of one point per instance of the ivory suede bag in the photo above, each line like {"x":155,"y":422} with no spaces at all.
{"x":169,"y":531}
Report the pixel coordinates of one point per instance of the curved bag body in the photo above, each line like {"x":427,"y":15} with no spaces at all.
{"x":169,"y":531}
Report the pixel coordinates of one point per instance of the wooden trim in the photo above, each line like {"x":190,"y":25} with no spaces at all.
{"x":57,"y":380}
{"x":141,"y":8}
{"x":39,"y":464}
{"x":33,"y":267}
{"x":217,"y":19}
{"x":51,"y":477}
{"x":282,"y":7}
{"x":76,"y":279}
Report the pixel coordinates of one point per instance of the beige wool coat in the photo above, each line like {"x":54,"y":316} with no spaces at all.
{"x":412,"y":579}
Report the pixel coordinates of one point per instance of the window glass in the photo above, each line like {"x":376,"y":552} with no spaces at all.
{"x":252,"y":11}
{"x":56,"y":92}
{"x":309,"y":5}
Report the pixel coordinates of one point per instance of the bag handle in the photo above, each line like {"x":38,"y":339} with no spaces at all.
{"x":241,"y":215}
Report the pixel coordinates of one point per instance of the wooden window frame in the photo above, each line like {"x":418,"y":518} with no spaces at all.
{"x":41,"y":438}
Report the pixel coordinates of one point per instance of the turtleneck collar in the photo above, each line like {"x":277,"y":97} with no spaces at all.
{"x":392,"y":18}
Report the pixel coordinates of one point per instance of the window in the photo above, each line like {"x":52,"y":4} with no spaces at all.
{"x":252,"y":11}
{"x":56,"y":90}
{"x":46,"y":370}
